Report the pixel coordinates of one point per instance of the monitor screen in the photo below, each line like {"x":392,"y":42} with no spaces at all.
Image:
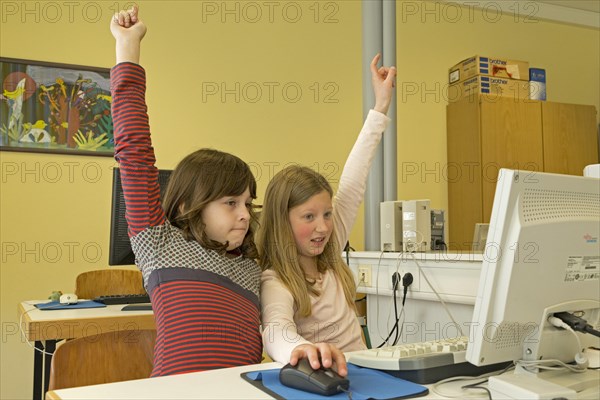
{"x":120,"y":252}
{"x":542,"y":256}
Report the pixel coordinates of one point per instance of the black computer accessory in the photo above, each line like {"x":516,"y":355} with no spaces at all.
{"x":123,"y":299}
{"x":322,"y":381}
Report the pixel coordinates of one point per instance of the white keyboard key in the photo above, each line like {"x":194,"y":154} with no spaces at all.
{"x":437,"y":348}
{"x":449,"y":348}
{"x":385,"y":353}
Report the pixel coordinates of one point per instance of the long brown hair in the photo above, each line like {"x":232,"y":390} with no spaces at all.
{"x":290,"y":188}
{"x":201,"y":177}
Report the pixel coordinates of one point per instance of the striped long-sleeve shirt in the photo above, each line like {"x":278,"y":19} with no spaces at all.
{"x":206,"y":305}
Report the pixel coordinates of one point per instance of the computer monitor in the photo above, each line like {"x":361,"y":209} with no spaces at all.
{"x":542,"y":257}
{"x":120,"y":252}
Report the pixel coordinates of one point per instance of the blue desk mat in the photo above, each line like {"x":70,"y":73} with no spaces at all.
{"x":55,"y":305}
{"x":365,"y":384}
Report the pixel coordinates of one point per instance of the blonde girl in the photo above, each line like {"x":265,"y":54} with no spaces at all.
{"x":307,"y":291}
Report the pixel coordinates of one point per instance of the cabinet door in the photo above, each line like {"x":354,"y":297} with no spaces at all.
{"x":463,"y":172}
{"x":511,"y":137}
{"x":570,"y":137}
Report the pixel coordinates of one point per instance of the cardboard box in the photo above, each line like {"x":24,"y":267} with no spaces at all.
{"x":492,"y":87}
{"x":477,"y":65}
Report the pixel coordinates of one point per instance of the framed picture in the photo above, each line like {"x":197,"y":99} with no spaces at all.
{"x":55,"y":108}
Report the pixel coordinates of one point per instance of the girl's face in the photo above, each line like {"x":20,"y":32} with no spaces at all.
{"x":227,"y":219}
{"x":312,"y":224}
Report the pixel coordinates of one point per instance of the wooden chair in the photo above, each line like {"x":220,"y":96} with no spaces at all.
{"x":107,"y":357}
{"x":104,"y":282}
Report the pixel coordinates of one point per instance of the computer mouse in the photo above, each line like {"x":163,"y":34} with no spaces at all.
{"x":322,"y":381}
{"x":68,"y":298}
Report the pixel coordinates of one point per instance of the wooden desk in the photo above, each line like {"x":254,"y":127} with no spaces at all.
{"x":45,"y":328}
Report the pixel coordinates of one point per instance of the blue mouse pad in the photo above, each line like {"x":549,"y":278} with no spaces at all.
{"x":365,"y":384}
{"x":55,"y":305}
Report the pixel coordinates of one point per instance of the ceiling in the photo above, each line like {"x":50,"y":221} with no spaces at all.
{"x":587,"y":5}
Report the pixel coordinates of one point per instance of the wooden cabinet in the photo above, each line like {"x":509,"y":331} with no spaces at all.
{"x":486,"y":134}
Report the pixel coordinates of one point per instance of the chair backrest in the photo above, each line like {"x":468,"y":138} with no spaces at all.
{"x":103,"y":282}
{"x":107,"y":357}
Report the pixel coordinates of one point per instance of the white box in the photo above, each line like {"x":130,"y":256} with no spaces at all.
{"x":416,"y":225}
{"x":537,"y":84}
{"x":390,"y":217}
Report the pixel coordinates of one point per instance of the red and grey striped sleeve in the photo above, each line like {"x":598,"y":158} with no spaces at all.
{"x":133,"y":148}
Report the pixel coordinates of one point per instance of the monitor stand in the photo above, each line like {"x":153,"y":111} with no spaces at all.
{"x":562,"y":384}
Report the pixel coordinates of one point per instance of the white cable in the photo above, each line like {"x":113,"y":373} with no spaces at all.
{"x":580,"y":358}
{"x":463,"y":393}
{"x":556,"y":365}
{"x":559,"y":323}
{"x":437,"y":294}
{"x":377,"y":295}
{"x":23,"y":332}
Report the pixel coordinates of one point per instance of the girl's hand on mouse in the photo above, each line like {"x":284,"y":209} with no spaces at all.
{"x":325,"y":353}
{"x":383,"y":81}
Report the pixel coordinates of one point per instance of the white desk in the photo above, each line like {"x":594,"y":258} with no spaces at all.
{"x":217,"y":384}
{"x":45,"y":328}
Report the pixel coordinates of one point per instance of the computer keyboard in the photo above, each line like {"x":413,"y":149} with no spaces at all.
{"x":123,"y":299}
{"x":425,"y":362}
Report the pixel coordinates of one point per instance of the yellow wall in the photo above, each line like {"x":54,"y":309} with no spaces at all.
{"x":52,"y":204}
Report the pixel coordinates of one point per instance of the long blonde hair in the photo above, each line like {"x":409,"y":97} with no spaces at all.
{"x":277,"y":248}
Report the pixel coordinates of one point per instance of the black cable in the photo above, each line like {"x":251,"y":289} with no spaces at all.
{"x":577,"y":323}
{"x":347,"y":249}
{"x":395,"y":328}
{"x":396,"y":312}
{"x":476,"y":386}
{"x":592,"y":331}
{"x":407,"y":280}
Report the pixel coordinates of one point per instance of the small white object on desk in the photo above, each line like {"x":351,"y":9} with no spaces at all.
{"x":592,"y":171}
{"x":68,"y":298}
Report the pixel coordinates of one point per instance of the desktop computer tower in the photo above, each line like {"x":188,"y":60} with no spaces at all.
{"x":416,"y":225}
{"x":397,"y":221}
{"x":390,"y":214}
{"x":438,"y":241}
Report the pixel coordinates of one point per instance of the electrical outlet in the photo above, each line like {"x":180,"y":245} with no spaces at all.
{"x":364,"y":275}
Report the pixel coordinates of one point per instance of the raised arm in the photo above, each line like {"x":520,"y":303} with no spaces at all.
{"x":133,"y":148}
{"x":353,"y":181}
